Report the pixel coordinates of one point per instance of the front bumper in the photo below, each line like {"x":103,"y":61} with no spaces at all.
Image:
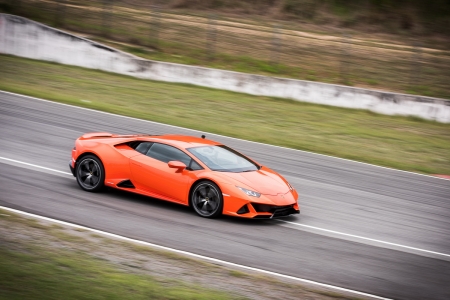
{"x":273,"y":211}
{"x":265,"y":207}
{"x":264,"y":211}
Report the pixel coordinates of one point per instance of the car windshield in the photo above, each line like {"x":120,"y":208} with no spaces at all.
{"x":223,"y":159}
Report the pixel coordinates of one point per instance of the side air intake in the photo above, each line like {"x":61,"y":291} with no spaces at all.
{"x":126,"y":184}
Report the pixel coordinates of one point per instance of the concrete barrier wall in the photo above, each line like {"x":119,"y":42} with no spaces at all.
{"x":22,"y":37}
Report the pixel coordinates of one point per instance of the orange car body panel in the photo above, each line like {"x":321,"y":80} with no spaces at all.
{"x":157,"y":179}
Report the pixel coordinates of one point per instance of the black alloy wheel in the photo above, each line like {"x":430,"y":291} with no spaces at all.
{"x":207,"y":200}
{"x":90,"y":173}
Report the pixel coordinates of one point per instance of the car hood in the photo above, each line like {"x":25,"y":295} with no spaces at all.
{"x":261,"y":181}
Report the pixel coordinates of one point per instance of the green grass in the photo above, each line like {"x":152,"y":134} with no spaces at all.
{"x":238,"y":63}
{"x":400,"y":142}
{"x":47,"y":273}
{"x":38,"y":272}
{"x":59,"y":265}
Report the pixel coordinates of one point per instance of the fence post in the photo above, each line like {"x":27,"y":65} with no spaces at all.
{"x":107,"y":13}
{"x":414,"y":77}
{"x":211,"y":37}
{"x":154,"y":27}
{"x":60,"y":13}
{"x":345,"y":57}
{"x":15,"y":5}
{"x":276,"y":44}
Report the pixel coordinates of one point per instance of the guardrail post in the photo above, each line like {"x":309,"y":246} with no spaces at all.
{"x":345,"y":57}
{"x":416,"y":66}
{"x":60,"y":13}
{"x":107,"y":14}
{"x":154,"y":26}
{"x":211,"y":37}
{"x":276,"y":44}
{"x":15,"y":5}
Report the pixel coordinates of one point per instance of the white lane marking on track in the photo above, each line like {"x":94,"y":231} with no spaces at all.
{"x":365,"y":238}
{"x":288,"y":222}
{"x":207,"y":258}
{"x":35,"y":166}
{"x":258,"y":143}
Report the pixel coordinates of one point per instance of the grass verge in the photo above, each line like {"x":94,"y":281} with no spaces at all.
{"x":41,"y":260}
{"x":60,"y":274}
{"x":40,"y":270}
{"x":400,"y":142}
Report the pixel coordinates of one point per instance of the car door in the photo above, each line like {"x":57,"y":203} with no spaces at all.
{"x":152,"y":172}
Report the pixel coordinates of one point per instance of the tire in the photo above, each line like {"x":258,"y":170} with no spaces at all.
{"x":206,"y":199}
{"x":90,"y":173}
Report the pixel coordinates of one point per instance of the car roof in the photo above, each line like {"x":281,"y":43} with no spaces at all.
{"x":181,"y":141}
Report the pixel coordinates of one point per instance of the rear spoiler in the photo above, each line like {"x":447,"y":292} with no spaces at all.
{"x":96,"y":134}
{"x":92,"y":135}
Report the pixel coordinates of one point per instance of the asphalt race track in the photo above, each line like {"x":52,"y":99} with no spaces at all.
{"x":372,"y":214}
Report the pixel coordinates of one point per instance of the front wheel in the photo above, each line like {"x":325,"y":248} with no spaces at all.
{"x":90,"y":173}
{"x":207,"y":200}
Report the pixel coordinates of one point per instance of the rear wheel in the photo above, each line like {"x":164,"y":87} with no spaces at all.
{"x":206,"y":199}
{"x":90,"y":174}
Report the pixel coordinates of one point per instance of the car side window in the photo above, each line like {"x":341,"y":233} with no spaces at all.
{"x":194,"y":166}
{"x":166,"y":153}
{"x":143,"y":147}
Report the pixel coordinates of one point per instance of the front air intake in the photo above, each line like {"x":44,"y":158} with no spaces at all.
{"x":269,"y":208}
{"x":276,"y":211}
{"x":243,"y":210}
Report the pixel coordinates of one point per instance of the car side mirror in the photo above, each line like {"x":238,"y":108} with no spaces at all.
{"x":176,"y":165}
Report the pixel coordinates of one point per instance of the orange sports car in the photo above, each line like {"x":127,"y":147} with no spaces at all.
{"x":208,"y":176}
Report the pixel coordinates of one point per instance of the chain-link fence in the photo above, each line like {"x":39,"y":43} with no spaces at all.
{"x":247,"y":46}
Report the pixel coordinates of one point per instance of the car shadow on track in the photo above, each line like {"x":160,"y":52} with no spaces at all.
{"x":185,"y":211}
{"x":120,"y":198}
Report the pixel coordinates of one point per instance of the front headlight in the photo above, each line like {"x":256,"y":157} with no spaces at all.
{"x":249,"y":192}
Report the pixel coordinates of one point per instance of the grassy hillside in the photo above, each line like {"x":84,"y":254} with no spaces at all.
{"x":399,"y":46}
